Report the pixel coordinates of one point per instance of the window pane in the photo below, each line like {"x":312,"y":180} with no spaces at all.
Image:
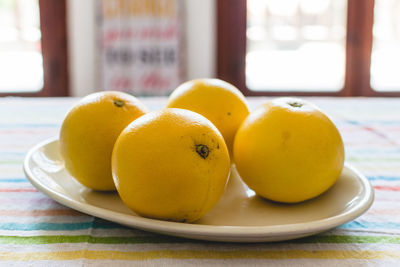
{"x":21,"y":62}
{"x":296,"y":45}
{"x":385,"y":61}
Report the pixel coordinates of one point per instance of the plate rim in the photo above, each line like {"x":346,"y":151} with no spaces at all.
{"x":217,"y":232}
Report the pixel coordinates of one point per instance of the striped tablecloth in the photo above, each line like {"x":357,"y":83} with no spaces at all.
{"x":35,"y":230}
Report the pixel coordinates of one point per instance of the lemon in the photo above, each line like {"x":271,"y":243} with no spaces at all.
{"x":288,"y":150}
{"x":171,"y":164}
{"x":220,"y":102}
{"x":88,"y":134}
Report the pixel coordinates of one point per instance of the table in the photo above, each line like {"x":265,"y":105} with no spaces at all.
{"x":35,"y":230}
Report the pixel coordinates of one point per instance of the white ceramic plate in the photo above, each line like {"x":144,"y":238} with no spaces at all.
{"x":240,"y":216}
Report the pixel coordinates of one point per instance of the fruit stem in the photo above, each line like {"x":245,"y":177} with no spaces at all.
{"x":202,"y":150}
{"x":119,"y":103}
{"x":296,"y":104}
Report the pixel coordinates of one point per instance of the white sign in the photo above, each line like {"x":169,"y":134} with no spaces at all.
{"x":141,"y":46}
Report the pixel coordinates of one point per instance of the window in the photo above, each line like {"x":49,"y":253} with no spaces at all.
{"x":385,"y":61}
{"x":20,"y":51}
{"x":310,"y":47}
{"x":304,"y":40}
{"x":33,"y":52}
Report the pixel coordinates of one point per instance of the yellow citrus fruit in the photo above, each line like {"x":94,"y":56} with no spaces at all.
{"x":88,"y":134}
{"x":220,"y":102}
{"x":288,"y":150}
{"x":171,"y":164}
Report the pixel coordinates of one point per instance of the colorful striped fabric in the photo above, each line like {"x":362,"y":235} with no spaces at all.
{"x":37,"y":231}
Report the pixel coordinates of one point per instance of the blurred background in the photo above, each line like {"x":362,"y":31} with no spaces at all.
{"x":301,"y":44}
{"x":148,"y":47}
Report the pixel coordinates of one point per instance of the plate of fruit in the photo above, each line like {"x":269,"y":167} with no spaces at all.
{"x":204,"y":167}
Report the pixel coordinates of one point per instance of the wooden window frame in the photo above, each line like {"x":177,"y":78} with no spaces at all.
{"x":53,"y":26}
{"x":231,"y":50}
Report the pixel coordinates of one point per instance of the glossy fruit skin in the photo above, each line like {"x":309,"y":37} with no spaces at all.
{"x":289,"y":151}
{"x":220,"y":102}
{"x":160,"y":170}
{"x":88,"y":134}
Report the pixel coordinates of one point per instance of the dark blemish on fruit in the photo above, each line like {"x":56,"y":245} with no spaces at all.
{"x":285,"y":135}
{"x":202,"y":150}
{"x":217,"y":145}
{"x":119,"y":103}
{"x":228,"y":113}
{"x":296,"y":104}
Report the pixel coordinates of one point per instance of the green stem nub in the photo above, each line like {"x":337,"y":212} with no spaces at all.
{"x":119,"y":103}
{"x":296,"y":104}
{"x":202,"y":150}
